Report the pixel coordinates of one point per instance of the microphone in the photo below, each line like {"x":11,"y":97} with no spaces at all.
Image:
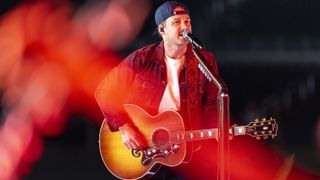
{"x":193,"y":40}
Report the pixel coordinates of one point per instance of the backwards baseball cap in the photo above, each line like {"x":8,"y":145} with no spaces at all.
{"x":166,"y":10}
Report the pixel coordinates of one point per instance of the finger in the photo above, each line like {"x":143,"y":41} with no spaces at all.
{"x":217,"y":137}
{"x":127,"y":145}
{"x":134,"y":144}
{"x":125,"y":142}
{"x":141,"y":142}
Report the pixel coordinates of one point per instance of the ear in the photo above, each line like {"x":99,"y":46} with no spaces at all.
{"x":161,"y":29}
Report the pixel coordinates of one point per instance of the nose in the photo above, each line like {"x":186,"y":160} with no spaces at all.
{"x":185,"y":25}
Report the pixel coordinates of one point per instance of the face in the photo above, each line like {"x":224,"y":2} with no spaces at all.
{"x":172,"y":30}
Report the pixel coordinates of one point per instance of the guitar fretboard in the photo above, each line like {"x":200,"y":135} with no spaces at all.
{"x":194,"y":135}
{"x":204,"y":134}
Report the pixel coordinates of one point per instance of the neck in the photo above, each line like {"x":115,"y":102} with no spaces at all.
{"x":175,"y":51}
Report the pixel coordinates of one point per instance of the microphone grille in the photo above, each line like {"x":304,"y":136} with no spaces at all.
{"x":185,"y":32}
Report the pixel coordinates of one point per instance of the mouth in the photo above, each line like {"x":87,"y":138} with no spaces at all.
{"x":184,"y":31}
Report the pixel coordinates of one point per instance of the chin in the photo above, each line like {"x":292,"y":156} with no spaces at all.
{"x":183,"y":42}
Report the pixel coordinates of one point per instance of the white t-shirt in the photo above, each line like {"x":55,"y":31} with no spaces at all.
{"x":171,"y":97}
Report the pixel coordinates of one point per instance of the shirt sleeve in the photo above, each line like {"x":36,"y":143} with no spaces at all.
{"x":112,"y":93}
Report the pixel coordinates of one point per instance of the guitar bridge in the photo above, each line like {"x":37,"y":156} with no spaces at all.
{"x":150,"y":154}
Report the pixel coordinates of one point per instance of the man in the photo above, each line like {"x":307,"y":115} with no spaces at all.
{"x":160,"y":77}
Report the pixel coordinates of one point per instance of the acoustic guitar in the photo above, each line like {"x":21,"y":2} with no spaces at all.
{"x":166,"y":137}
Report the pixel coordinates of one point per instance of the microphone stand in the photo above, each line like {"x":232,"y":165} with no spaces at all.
{"x":223,"y":115}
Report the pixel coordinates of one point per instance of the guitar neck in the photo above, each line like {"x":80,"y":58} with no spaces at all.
{"x":204,"y":134}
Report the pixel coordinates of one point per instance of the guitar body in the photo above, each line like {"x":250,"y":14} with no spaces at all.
{"x":167,"y":142}
{"x":127,"y":164}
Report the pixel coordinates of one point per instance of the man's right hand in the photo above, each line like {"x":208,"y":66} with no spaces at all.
{"x":131,"y":137}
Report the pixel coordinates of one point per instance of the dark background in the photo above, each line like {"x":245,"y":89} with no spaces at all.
{"x":268,"y":55}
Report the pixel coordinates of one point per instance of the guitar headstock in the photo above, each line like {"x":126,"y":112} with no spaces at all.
{"x":262,"y":128}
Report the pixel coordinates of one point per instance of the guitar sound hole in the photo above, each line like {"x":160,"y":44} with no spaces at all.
{"x":160,"y":138}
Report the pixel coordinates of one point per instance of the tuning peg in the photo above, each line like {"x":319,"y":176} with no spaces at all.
{"x":256,"y":120}
{"x":264,"y":119}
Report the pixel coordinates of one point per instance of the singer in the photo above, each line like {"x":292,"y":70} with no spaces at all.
{"x":161,"y":77}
